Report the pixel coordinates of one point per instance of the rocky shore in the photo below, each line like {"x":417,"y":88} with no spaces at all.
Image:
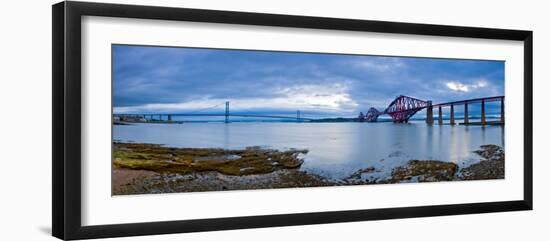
{"x":490,"y":167}
{"x":150,"y":168}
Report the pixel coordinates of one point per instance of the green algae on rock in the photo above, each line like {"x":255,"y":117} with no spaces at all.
{"x":252,"y":160}
{"x":424,"y":171}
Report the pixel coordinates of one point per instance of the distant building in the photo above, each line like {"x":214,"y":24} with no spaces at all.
{"x":131,"y":118}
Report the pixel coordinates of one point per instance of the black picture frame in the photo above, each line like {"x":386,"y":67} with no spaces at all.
{"x":66,"y":75}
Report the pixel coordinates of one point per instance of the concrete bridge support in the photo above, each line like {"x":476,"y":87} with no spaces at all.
{"x":483,"y":112}
{"x":502,"y":110}
{"x":466,"y":121}
{"x":430,"y":114}
{"x":452,"y":114}
{"x":440,"y":117}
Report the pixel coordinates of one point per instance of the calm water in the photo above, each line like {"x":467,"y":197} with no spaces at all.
{"x":335,"y":149}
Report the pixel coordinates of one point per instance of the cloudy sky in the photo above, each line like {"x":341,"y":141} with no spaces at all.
{"x":183,"y":80}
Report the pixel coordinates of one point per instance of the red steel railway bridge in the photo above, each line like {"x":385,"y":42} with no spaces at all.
{"x":404,"y":107}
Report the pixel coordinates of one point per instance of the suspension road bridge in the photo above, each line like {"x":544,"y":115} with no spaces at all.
{"x":226,"y":115}
{"x":401,"y":109}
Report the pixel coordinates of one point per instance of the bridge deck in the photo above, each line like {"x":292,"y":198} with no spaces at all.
{"x":477,"y":100}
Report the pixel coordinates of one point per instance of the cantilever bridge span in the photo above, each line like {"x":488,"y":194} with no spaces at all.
{"x":401,"y":109}
{"x":404,"y":107}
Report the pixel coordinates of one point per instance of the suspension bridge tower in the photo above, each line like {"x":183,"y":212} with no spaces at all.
{"x":227,"y":112}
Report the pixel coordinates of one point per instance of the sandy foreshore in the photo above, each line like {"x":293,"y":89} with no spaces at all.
{"x":149,"y":168}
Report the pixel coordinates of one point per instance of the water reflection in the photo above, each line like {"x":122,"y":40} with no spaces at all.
{"x":335,"y":149}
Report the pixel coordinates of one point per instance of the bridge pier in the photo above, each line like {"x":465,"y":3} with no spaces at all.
{"x":298,"y":115}
{"x":502,"y":110}
{"x":440,"y":117}
{"x":466,"y":121}
{"x":430,"y":114}
{"x":483,"y":112}
{"x":452,"y":121}
{"x":169,"y":117}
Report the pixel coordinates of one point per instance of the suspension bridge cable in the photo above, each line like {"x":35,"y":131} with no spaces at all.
{"x":201,"y":110}
{"x":308,"y":111}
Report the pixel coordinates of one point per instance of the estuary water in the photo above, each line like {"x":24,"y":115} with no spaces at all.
{"x":336,"y":150}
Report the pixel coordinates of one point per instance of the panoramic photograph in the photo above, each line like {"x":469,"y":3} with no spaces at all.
{"x":202,"y":119}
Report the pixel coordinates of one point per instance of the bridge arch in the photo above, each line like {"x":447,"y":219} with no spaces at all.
{"x":401,"y":109}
